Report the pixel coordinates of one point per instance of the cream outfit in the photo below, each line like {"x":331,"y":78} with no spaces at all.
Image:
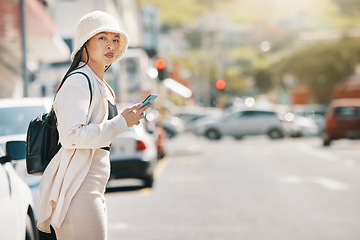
{"x":73,"y":185}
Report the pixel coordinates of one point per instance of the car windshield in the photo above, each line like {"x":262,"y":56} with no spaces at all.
{"x":353,"y":112}
{"x":15,"y":120}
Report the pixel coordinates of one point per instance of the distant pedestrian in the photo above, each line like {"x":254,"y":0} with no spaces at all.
{"x":73,"y":185}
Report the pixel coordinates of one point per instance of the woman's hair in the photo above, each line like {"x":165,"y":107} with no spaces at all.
{"x":75,"y":64}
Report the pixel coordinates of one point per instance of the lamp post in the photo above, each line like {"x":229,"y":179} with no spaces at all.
{"x":23,"y":47}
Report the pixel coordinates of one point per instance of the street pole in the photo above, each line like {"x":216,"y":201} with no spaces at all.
{"x":23,"y":47}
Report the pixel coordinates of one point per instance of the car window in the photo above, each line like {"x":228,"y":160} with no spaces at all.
{"x":15,"y":120}
{"x":232,"y":115}
{"x":248,"y":113}
{"x":265,"y":113}
{"x":258,"y":113}
{"x":353,"y":112}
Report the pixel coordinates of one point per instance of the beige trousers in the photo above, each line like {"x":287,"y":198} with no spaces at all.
{"x":87,"y":217}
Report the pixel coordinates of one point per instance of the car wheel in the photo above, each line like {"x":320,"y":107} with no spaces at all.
{"x":170,"y":134}
{"x":212,"y":134}
{"x":275,"y":134}
{"x":238,"y":137}
{"x":31,"y":230}
{"x":149,"y":181}
{"x":326,"y":140}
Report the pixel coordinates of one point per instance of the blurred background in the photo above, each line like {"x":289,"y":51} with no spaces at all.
{"x":287,"y":52}
{"x":285,"y":74}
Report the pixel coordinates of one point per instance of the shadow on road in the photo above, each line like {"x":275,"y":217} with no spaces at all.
{"x":123,"y":189}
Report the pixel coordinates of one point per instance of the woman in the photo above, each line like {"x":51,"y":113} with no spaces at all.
{"x":73,"y":185}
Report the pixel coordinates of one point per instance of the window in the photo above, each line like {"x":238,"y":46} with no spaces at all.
{"x":16,"y":120}
{"x":352,"y":112}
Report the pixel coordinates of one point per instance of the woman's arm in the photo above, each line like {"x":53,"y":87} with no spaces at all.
{"x":71,"y":107}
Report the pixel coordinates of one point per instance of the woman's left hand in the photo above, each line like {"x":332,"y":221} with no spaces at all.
{"x":133,"y":114}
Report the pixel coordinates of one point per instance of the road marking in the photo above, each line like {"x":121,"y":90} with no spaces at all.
{"x":145,"y":191}
{"x":318,"y":153}
{"x":325,"y":182}
{"x":330,"y":184}
{"x":160,"y":167}
{"x":118,"y":225}
{"x":349,"y":163}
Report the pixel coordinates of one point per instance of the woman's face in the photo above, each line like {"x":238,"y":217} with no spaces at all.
{"x":103,"y":48}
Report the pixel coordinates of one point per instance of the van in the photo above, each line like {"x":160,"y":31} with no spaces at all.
{"x":342,"y":120}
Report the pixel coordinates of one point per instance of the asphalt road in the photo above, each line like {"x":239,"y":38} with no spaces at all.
{"x":250,"y":189}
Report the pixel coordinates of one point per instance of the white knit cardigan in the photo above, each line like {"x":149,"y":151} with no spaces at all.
{"x":82,"y":129}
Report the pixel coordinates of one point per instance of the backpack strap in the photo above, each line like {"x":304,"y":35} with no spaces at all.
{"x":90,"y":88}
{"x":89,"y":82}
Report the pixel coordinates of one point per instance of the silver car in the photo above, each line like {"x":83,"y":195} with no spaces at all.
{"x":245,"y":122}
{"x":15,"y":115}
{"x":17,"y":220}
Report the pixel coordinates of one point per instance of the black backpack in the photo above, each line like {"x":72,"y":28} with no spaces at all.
{"x":42,"y":140}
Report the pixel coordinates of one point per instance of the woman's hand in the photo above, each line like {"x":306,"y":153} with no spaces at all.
{"x":133,"y":116}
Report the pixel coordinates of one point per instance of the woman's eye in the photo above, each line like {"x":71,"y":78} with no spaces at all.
{"x":102,"y":38}
{"x":116,"y":40}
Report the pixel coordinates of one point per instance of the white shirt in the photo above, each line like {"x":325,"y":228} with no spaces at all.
{"x":82,"y":130}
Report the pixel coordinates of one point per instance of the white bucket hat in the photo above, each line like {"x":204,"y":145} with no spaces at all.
{"x":94,"y":23}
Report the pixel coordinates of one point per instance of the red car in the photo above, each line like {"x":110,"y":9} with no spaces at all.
{"x":342,"y":120}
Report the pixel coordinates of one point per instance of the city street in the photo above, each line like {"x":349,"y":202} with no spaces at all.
{"x":250,"y":189}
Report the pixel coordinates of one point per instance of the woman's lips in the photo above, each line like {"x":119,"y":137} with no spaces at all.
{"x":109,"y":55}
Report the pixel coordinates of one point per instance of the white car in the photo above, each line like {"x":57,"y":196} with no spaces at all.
{"x":243,"y":122}
{"x":16,"y":114}
{"x":17,"y":221}
{"x":133,"y":154}
{"x":300,"y":126}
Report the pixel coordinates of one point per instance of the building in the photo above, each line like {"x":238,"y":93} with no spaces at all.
{"x":128,"y":77}
{"x":43,"y":44}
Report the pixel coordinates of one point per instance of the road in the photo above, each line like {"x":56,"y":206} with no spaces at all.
{"x":252,"y":189}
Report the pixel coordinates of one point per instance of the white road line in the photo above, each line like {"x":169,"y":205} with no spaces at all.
{"x":349,"y":163}
{"x":325,"y":182}
{"x":118,"y":225}
{"x":329,"y":183}
{"x":318,"y":153}
{"x":325,"y":155}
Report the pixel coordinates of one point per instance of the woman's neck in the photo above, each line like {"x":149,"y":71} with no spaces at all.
{"x":98,"y":70}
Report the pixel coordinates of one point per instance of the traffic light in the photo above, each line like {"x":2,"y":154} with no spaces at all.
{"x":160,"y":65}
{"x":220,"y":84}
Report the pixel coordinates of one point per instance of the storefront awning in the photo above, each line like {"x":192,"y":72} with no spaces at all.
{"x":43,"y":44}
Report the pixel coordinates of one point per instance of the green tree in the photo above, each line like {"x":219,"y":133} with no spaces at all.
{"x":321,"y":66}
{"x":349,"y":6}
{"x":263,"y":78}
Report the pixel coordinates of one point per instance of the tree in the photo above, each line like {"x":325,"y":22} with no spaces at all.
{"x":349,"y":6}
{"x":321,"y":66}
{"x":263,"y":79}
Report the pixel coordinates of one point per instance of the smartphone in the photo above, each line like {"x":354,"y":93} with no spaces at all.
{"x":149,"y":99}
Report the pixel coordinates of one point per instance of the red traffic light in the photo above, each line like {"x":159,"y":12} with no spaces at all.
{"x":160,"y":64}
{"x":220,"y":84}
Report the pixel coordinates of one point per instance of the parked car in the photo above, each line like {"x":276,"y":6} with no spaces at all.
{"x":133,"y":154}
{"x":300,"y":126}
{"x":315,"y":112}
{"x":342,"y":120}
{"x":152,"y":126}
{"x":240,"y":123}
{"x":173,"y":126}
{"x":16,"y":114}
{"x":17,"y":220}
{"x":190,"y":116}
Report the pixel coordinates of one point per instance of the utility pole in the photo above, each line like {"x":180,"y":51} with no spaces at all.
{"x":23,"y":47}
